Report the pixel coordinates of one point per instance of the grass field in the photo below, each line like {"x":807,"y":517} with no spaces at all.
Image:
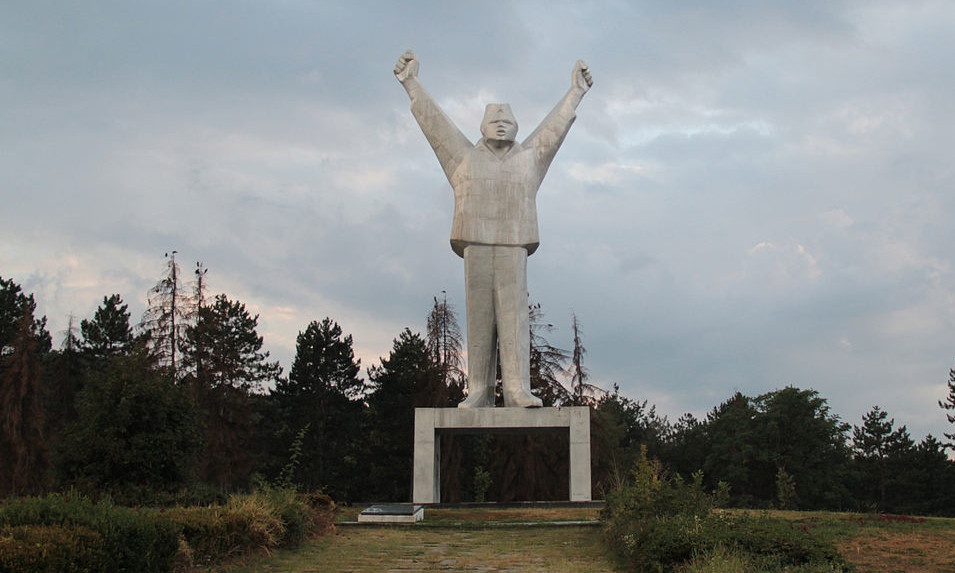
{"x":886,"y":543}
{"x":488,"y":539}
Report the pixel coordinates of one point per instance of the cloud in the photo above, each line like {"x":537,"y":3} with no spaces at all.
{"x":753,"y":194}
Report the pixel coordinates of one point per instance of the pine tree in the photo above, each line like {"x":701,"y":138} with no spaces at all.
{"x":24,"y":343}
{"x":224,"y":364}
{"x":22,"y":440}
{"x":109,"y":331}
{"x":444,"y":343}
{"x":324,"y":390}
{"x":882,"y":458}
{"x":547,"y":362}
{"x":13,"y":305}
{"x":64,"y":373}
{"x":583,"y":393}
{"x":223,"y":348}
{"x":949,"y":406}
{"x":403,"y":382}
{"x":731,"y":431}
{"x":166,"y":316}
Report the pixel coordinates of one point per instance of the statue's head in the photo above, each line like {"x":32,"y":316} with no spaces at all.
{"x":499,"y":123}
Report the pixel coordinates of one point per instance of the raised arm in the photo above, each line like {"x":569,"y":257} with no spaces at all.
{"x":446,"y":139}
{"x":548,"y":136}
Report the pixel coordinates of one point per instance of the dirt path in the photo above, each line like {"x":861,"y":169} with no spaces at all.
{"x":400,"y":549}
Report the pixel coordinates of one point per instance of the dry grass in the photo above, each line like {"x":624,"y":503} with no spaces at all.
{"x":490,"y":515}
{"x":870,"y":543}
{"x":875,"y":543}
{"x":380,"y":549}
{"x":928,"y":551}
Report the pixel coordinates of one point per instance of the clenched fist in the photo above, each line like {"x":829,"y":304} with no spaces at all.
{"x":581,"y":77}
{"x":407,"y":67}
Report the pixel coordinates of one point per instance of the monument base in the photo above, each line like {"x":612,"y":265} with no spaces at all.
{"x":430,"y":423}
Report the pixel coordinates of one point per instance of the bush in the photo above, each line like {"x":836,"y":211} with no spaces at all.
{"x":71,"y":533}
{"x":320,"y":513}
{"x":262,"y":520}
{"x":657,"y":523}
{"x":132,"y":540}
{"x":51,"y":548}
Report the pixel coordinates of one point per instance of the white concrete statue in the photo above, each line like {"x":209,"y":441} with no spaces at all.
{"x":494,"y":230}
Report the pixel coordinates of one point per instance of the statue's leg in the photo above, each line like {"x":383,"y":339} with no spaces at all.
{"x":513,"y":326}
{"x":482,"y":339}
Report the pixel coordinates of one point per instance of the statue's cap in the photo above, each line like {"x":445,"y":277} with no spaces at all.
{"x":498,"y":111}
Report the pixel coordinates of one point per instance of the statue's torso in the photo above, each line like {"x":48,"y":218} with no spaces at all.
{"x":495,"y":199}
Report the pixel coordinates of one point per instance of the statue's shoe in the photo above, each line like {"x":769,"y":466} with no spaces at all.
{"x":522,"y":400}
{"x":477,"y":400}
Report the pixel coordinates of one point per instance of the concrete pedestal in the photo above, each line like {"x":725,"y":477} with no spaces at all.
{"x":430,"y":423}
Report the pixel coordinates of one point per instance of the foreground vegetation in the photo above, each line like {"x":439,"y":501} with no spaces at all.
{"x":659,"y":523}
{"x":376,"y":549}
{"x":187,"y":410}
{"x":66,"y":533}
{"x":279,"y":531}
{"x":490,"y":538}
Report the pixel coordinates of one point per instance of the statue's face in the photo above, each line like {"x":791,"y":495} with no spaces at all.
{"x":501,"y":130}
{"x":499,"y":123}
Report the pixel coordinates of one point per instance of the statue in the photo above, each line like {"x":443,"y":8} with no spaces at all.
{"x":495,"y":185}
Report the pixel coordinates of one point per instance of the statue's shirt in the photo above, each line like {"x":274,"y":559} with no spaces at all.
{"x":495,"y":198}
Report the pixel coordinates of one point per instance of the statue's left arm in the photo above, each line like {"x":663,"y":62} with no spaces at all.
{"x":548,"y":136}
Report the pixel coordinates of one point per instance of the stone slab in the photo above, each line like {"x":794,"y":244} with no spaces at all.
{"x":431,"y":422}
{"x":397,"y":513}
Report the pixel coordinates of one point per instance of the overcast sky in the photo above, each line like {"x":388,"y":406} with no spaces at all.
{"x":755,"y":194}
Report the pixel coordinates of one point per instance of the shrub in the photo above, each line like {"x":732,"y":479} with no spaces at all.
{"x":320,"y":513}
{"x":658,"y":523}
{"x":71,"y":533}
{"x":132,"y":540}
{"x":266,"y":519}
{"x":53,"y":548}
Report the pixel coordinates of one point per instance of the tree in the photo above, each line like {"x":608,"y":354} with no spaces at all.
{"x":324,"y":390}
{"x":403,"y":382}
{"x":686,"y":445}
{"x":931,"y":477}
{"x":223,"y":362}
{"x":797,"y":432}
{"x":547,"y":362}
{"x":882,"y":458}
{"x":64,"y":372}
{"x":109,"y":331}
{"x":166,"y":316}
{"x":24,"y":344}
{"x":621,"y":427}
{"x":582,"y":392}
{"x":13,"y":306}
{"x":223,"y":348}
{"x":949,"y":406}
{"x":732,"y":435}
{"x":136,"y":431}
{"x":444,"y":343}
{"x":22,"y":440}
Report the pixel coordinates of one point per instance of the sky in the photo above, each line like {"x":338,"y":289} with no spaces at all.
{"x":755,"y":194}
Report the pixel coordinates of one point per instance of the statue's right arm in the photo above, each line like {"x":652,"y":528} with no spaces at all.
{"x":449,"y":144}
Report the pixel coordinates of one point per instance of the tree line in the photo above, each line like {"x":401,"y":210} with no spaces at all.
{"x":186,"y":403}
